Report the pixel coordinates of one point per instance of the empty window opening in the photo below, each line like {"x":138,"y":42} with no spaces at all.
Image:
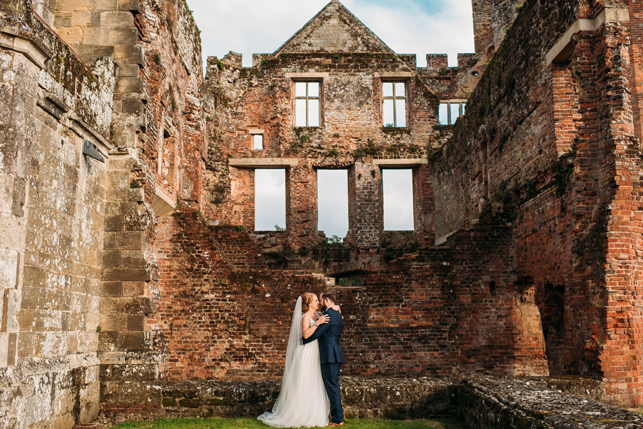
{"x":398,"y":200}
{"x":332,"y":212}
{"x":449,"y":112}
{"x":257,"y":141}
{"x":394,"y":104}
{"x":349,"y":281}
{"x":270,"y":200}
{"x":307,"y":104}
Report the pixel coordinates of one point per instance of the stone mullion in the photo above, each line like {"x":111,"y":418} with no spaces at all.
{"x":369,"y":223}
{"x":301,"y":205}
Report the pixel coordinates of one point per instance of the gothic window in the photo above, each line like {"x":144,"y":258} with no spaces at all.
{"x":307,"y":104}
{"x":394,"y":104}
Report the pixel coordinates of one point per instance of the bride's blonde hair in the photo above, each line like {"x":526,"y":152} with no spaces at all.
{"x":306,"y":300}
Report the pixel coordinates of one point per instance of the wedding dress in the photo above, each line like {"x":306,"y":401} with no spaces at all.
{"x":303,"y":401}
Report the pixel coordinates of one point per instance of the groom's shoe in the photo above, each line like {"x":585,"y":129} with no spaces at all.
{"x":333,"y":425}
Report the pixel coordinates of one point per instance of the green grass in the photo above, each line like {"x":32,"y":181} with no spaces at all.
{"x":638,"y":411}
{"x":212,"y":423}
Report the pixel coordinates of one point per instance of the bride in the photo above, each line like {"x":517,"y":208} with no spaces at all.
{"x":303,"y":401}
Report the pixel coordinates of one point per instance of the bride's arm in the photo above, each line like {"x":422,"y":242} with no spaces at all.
{"x":308,"y":330}
{"x":336,"y":308}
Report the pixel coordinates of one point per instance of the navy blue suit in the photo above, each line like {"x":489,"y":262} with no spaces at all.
{"x":331,"y":359}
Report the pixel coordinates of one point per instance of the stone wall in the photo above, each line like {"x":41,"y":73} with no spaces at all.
{"x":51,"y":223}
{"x":78,"y":266}
{"x":478,"y":402}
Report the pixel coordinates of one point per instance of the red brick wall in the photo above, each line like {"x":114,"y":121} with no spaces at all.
{"x":562,"y":156}
{"x":457,"y":309}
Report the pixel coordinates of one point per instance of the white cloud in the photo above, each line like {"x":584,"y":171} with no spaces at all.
{"x":407,"y":26}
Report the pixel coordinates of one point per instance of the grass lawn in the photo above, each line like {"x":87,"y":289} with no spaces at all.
{"x":638,"y":410}
{"x":253,"y":423}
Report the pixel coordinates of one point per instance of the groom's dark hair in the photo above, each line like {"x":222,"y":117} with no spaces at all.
{"x":329,"y":295}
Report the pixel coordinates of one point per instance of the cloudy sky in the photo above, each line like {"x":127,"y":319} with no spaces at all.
{"x":407,"y":26}
{"x":261,"y":26}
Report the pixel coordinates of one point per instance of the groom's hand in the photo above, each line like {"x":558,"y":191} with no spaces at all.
{"x":324,"y":318}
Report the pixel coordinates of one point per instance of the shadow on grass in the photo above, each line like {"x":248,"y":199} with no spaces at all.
{"x":212,"y":423}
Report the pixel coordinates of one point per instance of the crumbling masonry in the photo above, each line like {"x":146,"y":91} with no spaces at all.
{"x":142,"y":269}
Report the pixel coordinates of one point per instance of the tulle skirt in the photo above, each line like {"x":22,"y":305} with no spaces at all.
{"x":303,"y":401}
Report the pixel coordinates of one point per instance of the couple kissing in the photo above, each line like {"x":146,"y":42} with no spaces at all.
{"x":310,"y":385}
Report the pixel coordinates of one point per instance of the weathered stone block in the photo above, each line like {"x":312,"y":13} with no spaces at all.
{"x":129,"y":54}
{"x":132,"y":106}
{"x":128,"y":70}
{"x":9,"y":265}
{"x":72,"y":35}
{"x":106,"y":4}
{"x":128,"y":84}
{"x":135,"y":195}
{"x":125,"y":240}
{"x":116,"y":19}
{"x":118,"y":179}
{"x":70,"y":5}
{"x":81,"y":18}
{"x":113,"y":322}
{"x":63,"y":20}
{"x":124,"y":259}
{"x":135,"y":322}
{"x":128,"y":4}
{"x":133,"y":288}
{"x":108,"y":341}
{"x":126,"y":274}
{"x":112,"y":289}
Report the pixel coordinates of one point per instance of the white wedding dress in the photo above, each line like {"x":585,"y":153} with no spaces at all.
{"x":303,"y":401}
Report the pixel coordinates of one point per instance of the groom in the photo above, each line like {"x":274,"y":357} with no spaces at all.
{"x":330,"y":356}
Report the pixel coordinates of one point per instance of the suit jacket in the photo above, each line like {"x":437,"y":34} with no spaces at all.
{"x":328,"y":335}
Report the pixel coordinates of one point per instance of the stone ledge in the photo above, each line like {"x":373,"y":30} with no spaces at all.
{"x":492,"y":403}
{"x":478,"y":401}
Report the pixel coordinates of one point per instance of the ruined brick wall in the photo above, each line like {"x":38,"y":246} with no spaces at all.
{"x":438,"y":312}
{"x":554,"y":147}
{"x":51,"y":224}
{"x":491,"y":19}
{"x":224,"y":312}
{"x":221,"y":315}
{"x":352,"y":137}
{"x":159,"y":170}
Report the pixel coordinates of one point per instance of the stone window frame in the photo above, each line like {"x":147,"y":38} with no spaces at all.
{"x":395,"y":97}
{"x":461,"y":110}
{"x":386,"y":77}
{"x":308,"y":77}
{"x":413,"y":164}
{"x":257,"y":132}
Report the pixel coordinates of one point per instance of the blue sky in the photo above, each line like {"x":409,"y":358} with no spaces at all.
{"x":408,"y":26}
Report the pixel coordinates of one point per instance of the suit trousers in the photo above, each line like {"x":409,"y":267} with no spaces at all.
{"x":330,"y":375}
